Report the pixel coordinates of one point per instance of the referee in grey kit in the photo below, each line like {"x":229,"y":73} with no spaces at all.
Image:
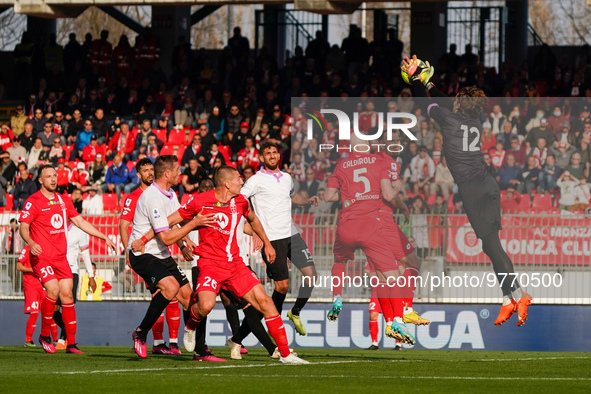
{"x":271,"y":193}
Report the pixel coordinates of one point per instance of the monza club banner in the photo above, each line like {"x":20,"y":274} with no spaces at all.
{"x":536,"y":239}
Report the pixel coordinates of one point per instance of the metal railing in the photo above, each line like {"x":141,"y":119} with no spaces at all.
{"x":552,"y":249}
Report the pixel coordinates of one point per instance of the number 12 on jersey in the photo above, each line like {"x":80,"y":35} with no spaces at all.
{"x":472,"y":146}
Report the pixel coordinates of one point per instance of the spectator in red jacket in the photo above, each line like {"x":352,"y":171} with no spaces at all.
{"x":63,"y":176}
{"x":511,"y":204}
{"x":249,"y":155}
{"x":6,"y":137}
{"x":91,"y":150}
{"x":122,"y":143}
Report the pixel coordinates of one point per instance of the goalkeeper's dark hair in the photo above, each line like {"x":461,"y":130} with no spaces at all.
{"x":472,"y":101}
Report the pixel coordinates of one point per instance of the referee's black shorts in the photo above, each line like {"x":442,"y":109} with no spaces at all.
{"x":153,"y":270}
{"x":482,"y":202}
{"x":293,"y":248}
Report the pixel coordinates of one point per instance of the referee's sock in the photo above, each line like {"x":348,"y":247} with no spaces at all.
{"x":278,"y":300}
{"x":157,"y":306}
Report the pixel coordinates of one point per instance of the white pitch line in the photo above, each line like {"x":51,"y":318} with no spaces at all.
{"x":399,"y":377}
{"x":217,"y":366}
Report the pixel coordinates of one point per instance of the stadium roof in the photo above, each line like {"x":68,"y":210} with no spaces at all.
{"x":71,"y":8}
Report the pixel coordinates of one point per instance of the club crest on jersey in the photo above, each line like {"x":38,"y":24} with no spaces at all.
{"x":28,"y":206}
{"x":57,"y":221}
{"x":156,"y":214}
{"x":222,"y":219}
{"x":127,"y":203}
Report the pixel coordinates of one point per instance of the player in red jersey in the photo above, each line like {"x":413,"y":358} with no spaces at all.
{"x":220,"y":263}
{"x":363,"y":180}
{"x":401,"y":247}
{"x":34,"y":294}
{"x":44,"y":222}
{"x":145,"y":172}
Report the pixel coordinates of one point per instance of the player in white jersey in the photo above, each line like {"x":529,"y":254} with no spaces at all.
{"x":163,"y":276}
{"x":78,"y":244}
{"x":271,"y":194}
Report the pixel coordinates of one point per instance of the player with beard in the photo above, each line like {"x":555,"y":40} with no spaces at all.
{"x":44,"y":221}
{"x":145,"y":172}
{"x":478,"y":189}
{"x":271,"y":193}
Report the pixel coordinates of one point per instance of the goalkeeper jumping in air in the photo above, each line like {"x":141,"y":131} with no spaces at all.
{"x":478,"y":189}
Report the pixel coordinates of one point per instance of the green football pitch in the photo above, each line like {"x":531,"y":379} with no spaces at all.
{"x":117,"y":369}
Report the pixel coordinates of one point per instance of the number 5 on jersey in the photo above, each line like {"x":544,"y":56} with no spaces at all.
{"x":470,"y":146}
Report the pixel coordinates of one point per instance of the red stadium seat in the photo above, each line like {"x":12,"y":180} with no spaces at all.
{"x":542,"y":201}
{"x":9,"y":201}
{"x":72,"y":165}
{"x":431,"y":199}
{"x":177,"y":137}
{"x":191,"y":134}
{"x":525,"y":203}
{"x":180,"y":152}
{"x":167,"y":150}
{"x":160,"y":134}
{"x":130,"y":165}
{"x":450,"y":203}
{"x":68,"y":150}
{"x":110,"y":201}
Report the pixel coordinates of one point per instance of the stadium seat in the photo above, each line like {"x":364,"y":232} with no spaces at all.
{"x":110,"y":202}
{"x":68,"y":150}
{"x":191,"y":134}
{"x":177,"y":137}
{"x":167,"y":150}
{"x":9,"y":201}
{"x":542,"y":201}
{"x":160,"y":134}
{"x":225,"y":151}
{"x":431,"y":199}
{"x":72,"y":165}
{"x":525,"y":203}
{"x":180,"y":152}
{"x":450,"y":203}
{"x":130,"y":165}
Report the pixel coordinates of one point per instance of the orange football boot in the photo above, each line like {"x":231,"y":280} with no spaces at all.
{"x":521,"y":308}
{"x":506,"y":312}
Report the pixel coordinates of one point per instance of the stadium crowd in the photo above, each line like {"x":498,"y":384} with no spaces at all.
{"x":96,"y":108}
